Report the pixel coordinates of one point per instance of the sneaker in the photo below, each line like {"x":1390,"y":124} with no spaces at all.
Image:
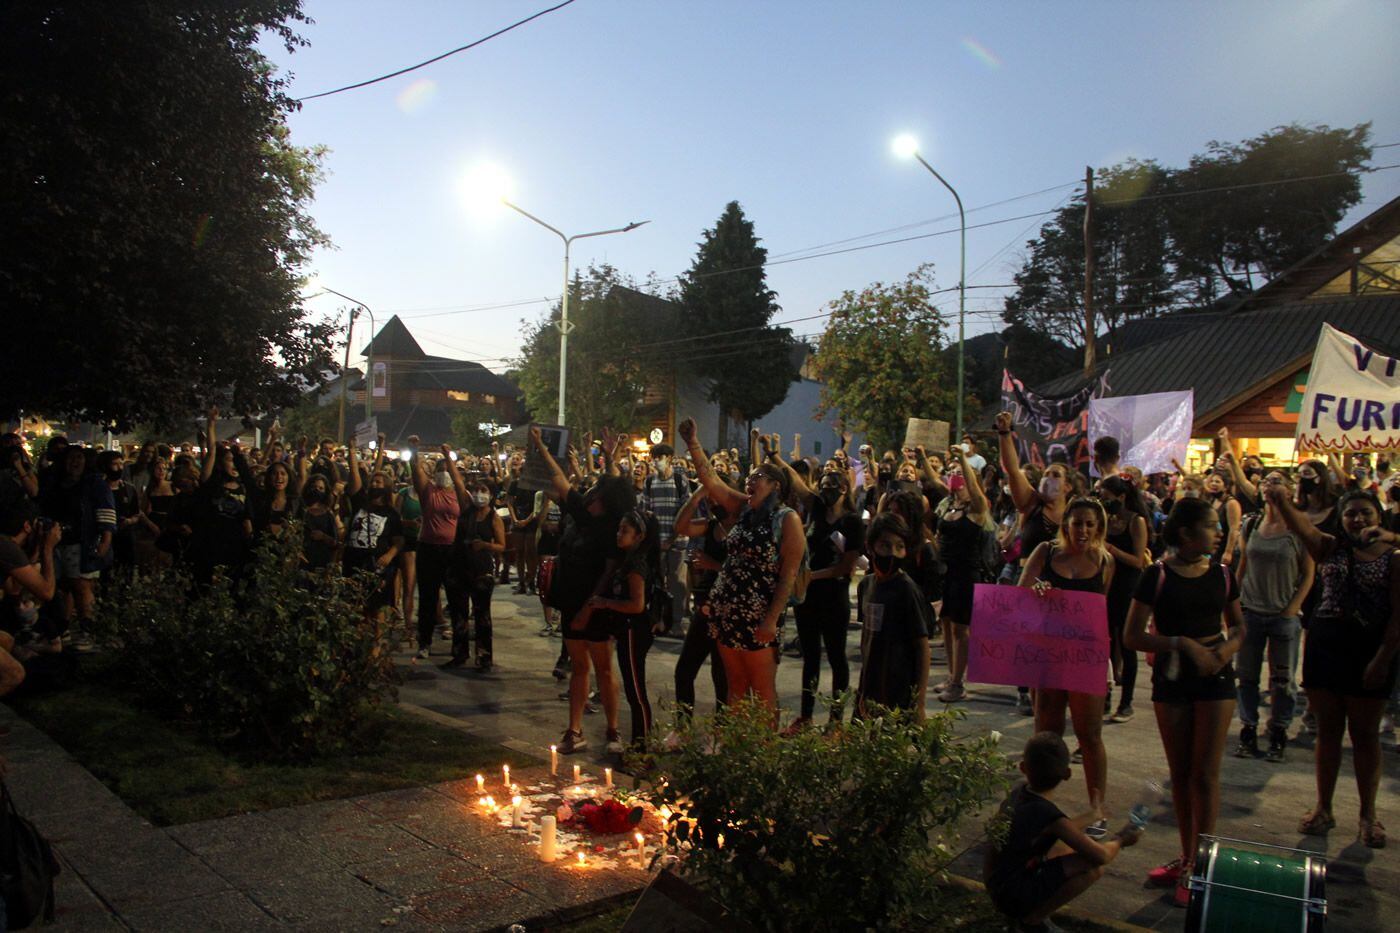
{"x":1123,"y":714}
{"x":614,"y":745}
{"x":422,"y":654}
{"x":1097,"y":831}
{"x":572,"y":742}
{"x":561,"y":671}
{"x":1309,"y":723}
{"x":1023,"y":704}
{"x":1278,"y":741}
{"x":591,"y":704}
{"x":954,"y":694}
{"x":1249,"y":743}
{"x":1078,"y":757}
{"x":1166,"y":875}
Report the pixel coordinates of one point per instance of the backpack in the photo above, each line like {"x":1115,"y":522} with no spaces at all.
{"x":804,"y":566}
{"x":27,"y":868}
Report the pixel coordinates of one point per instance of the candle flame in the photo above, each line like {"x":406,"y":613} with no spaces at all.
{"x":639,"y":837}
{"x":515,"y":800}
{"x":580,"y":859}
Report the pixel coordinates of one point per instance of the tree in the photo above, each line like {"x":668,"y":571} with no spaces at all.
{"x":611,"y":358}
{"x":881,"y":359}
{"x":1194,"y":236}
{"x":156,"y":212}
{"x":310,"y":419}
{"x":728,"y":307}
{"x":467,"y":430}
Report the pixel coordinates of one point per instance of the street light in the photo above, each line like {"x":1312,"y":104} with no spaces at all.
{"x":369,"y":356}
{"x":907,"y":147}
{"x":564,"y":325}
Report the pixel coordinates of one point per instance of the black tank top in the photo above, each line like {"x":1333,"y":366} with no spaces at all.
{"x":1092,"y":584}
{"x":479,"y":563}
{"x":1036,"y":529}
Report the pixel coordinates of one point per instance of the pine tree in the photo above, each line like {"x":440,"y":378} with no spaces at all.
{"x":728,"y":310}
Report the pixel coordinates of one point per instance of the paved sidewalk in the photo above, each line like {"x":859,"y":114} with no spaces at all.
{"x":420,"y":859}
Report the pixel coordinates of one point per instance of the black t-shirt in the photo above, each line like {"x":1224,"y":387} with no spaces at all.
{"x":373,"y":527}
{"x":1030,"y":817}
{"x":587,"y":543}
{"x":1191,"y":607}
{"x":128,"y":503}
{"x":619,"y":588}
{"x":218,"y":530}
{"x":894,"y":617}
{"x":522,"y":502}
{"x":12,"y":557}
{"x":318,"y":554}
{"x":826,"y":543}
{"x":63,"y":502}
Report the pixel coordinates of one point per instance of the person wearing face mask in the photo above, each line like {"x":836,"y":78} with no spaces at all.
{"x":1219,"y":492}
{"x":1126,"y":542}
{"x":663,"y":493}
{"x":441,"y":495}
{"x":964,"y":521}
{"x":374,"y":534}
{"x":895,"y":624}
{"x":224,"y":529}
{"x":835,"y":541}
{"x":481,"y":535}
{"x":708,"y":536}
{"x":1349,"y":660}
{"x":320,"y":526}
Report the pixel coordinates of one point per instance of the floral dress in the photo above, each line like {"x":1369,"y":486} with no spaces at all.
{"x":746,"y":583}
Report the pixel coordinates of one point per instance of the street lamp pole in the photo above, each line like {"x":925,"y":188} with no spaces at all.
{"x":911,"y":150}
{"x":564,"y":325}
{"x":369,"y":358}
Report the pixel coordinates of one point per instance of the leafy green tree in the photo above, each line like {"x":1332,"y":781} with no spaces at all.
{"x":611,"y":360}
{"x":1195,"y":236}
{"x":881,"y":359}
{"x":728,"y":310}
{"x":467,"y":431}
{"x":308,"y":419}
{"x":155,"y":212}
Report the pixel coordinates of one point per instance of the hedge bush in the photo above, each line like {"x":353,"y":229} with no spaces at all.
{"x":848,"y":830}
{"x":280,"y":663}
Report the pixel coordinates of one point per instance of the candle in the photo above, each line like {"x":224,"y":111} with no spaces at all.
{"x":480,"y":783}
{"x":719,"y":840}
{"x":505,"y":775}
{"x":554,"y":759}
{"x":580,"y":859}
{"x":641,"y":850}
{"x":519,"y":805}
{"x":577,"y":774}
{"x":607,"y":777}
{"x":548,"y":843}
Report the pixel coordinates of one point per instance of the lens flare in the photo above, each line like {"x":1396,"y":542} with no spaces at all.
{"x":417,"y":95}
{"x":981,"y":52}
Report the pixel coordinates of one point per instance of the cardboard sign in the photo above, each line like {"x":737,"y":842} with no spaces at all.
{"x":931,"y":435}
{"x":367,"y":431}
{"x":1353,"y":398}
{"x":1058,"y":641}
{"x":535,"y":473}
{"x":1152,"y":430}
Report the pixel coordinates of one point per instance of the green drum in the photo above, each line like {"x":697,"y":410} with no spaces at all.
{"x":1244,"y":886}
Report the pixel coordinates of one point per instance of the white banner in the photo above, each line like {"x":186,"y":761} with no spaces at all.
{"x":1353,"y":397}
{"x":367,"y":431}
{"x":1152,"y":430}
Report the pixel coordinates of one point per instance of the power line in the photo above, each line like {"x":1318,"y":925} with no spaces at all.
{"x":438,"y":58}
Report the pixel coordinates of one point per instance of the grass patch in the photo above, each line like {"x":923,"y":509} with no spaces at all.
{"x":169,"y":774}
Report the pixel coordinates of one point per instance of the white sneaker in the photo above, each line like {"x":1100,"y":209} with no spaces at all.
{"x":422,"y":654}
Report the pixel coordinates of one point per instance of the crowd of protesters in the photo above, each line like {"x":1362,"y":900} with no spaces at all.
{"x":1209,"y":574}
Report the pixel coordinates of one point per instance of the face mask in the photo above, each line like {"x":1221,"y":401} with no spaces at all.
{"x":955,"y":482}
{"x":443,"y":480}
{"x":1307,"y":485}
{"x":830,"y":496}
{"x":114,"y":475}
{"x":481,"y":499}
{"x":1050,"y":487}
{"x":884,"y":564}
{"x":1112,"y":506}
{"x":315,"y":496}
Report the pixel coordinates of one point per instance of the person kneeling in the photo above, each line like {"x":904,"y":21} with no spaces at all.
{"x":1045,"y":860}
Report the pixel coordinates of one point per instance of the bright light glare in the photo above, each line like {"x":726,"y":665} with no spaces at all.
{"x":905,"y":146}
{"x":484,"y":187}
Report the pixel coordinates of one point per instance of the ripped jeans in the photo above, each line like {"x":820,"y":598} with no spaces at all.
{"x":1278,"y":638}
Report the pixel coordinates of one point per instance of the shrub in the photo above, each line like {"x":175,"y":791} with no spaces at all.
{"x":281,"y":663}
{"x":848,"y":830}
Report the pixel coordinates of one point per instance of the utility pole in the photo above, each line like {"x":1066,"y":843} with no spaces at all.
{"x":1090,"y":325}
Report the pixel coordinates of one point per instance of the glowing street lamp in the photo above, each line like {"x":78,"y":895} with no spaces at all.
{"x":907,"y":147}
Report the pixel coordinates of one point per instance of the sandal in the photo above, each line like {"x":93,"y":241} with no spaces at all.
{"x":1316,"y":823}
{"x":1372,"y":833}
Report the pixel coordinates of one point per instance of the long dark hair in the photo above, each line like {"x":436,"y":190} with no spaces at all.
{"x":1131,"y":497}
{"x":1186,"y":513}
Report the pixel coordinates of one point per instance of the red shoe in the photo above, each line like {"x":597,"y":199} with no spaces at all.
{"x":1181,"y":897}
{"x":1164,"y":876}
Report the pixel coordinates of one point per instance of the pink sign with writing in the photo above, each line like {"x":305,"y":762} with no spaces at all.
{"x":1059,"y":640}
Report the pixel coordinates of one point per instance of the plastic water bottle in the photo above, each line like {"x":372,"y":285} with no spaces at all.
{"x":1150,"y":797}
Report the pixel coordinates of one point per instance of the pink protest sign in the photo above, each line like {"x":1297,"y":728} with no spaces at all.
{"x":1059,"y":640}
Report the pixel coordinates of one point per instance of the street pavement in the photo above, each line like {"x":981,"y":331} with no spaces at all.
{"x":1261,"y":801}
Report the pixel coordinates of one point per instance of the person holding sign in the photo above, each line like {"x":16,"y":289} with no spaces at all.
{"x":1077,"y":560}
{"x":1349,"y":666}
{"x":1188,"y":596}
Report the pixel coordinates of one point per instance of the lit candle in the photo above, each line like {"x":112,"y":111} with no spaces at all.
{"x":577,"y":773}
{"x":519,"y":806}
{"x":719,"y":841}
{"x":505,"y":775}
{"x":580,"y":859}
{"x":548,"y":842}
{"x":554,"y":759}
{"x":480,"y":783}
{"x":607,"y":777}
{"x":641,"y":850}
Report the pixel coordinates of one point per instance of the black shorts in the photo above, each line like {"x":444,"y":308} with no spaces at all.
{"x":1336,"y":655}
{"x":599,"y":628}
{"x":1025,"y":891}
{"x":410,"y":546}
{"x":1192,"y":688}
{"x":957,"y":596}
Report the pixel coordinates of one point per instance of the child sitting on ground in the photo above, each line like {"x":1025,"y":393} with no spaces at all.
{"x":895,"y":622}
{"x":1045,"y":860}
